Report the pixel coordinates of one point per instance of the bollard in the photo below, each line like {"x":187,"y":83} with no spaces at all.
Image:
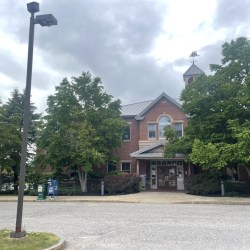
{"x":102,"y":188}
{"x":222,"y":188}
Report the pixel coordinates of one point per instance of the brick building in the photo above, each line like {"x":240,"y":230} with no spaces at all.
{"x":142,"y":151}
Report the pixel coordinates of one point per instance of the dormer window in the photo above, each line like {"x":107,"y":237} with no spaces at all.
{"x":164,"y":121}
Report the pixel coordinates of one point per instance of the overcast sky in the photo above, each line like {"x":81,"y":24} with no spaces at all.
{"x":139,"y":48}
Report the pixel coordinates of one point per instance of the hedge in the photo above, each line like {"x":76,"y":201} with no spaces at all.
{"x":122,"y":183}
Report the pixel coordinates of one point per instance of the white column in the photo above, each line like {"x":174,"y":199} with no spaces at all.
{"x":137,"y":167}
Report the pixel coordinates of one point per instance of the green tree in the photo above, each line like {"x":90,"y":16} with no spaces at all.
{"x":82,"y":126}
{"x":11,"y":124}
{"x":219,"y":105}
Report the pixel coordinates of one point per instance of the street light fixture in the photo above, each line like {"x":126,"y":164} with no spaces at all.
{"x":43,"y":20}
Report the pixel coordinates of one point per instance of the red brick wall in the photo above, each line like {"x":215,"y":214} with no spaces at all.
{"x":163,"y":107}
{"x":128,"y":147}
{"x":139,"y":129}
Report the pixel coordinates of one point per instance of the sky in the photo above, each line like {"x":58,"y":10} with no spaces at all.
{"x":139,"y":48}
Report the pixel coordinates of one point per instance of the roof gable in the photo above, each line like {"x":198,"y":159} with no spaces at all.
{"x":140,"y":116}
{"x":193,"y":70}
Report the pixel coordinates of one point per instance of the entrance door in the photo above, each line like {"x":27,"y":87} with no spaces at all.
{"x":153,"y":177}
{"x":167,"y":177}
{"x":180,"y":178}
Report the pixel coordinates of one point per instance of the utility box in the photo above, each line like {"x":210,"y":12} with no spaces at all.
{"x":41,"y":192}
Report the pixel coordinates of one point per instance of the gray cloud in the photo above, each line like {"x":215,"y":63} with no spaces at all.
{"x":111,"y":39}
{"x":10,"y":67}
{"x":210,"y":54}
{"x":231,"y":13}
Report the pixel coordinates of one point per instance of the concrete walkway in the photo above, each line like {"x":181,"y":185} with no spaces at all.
{"x":142,"y":197}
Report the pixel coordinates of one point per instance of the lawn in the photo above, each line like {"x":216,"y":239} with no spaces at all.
{"x":33,"y":241}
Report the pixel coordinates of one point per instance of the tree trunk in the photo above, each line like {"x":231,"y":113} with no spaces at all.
{"x":83,"y":179}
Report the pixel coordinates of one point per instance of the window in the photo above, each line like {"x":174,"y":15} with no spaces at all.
{"x":178,"y":128}
{"x":151,"y":130}
{"x":126,"y":133}
{"x":163,"y":123}
{"x":111,"y":167}
{"x":125,"y":167}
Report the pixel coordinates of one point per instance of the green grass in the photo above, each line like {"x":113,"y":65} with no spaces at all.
{"x":32,"y":241}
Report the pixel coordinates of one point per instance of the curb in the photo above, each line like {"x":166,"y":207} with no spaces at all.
{"x":247,"y":203}
{"x":60,"y":245}
{"x":226,"y":202}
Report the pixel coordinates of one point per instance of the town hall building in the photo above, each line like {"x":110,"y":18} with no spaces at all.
{"x":142,"y":150}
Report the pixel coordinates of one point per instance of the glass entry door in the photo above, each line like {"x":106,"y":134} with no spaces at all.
{"x":153,"y":178}
{"x":167,"y":177}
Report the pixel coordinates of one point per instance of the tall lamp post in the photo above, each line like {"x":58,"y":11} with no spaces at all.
{"x":43,"y":20}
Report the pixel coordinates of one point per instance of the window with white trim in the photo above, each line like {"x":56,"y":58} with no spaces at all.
{"x":126,"y":133}
{"x":164,"y":121}
{"x":126,"y":167}
{"x":151,"y":131}
{"x":178,"y":126}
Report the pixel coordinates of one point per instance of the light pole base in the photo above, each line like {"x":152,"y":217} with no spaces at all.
{"x":17,"y":235}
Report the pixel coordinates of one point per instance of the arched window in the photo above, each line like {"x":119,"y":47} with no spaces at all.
{"x":164,"y":121}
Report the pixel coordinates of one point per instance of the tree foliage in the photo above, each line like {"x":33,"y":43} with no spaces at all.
{"x":81,"y":127}
{"x":219,"y":105}
{"x":11,"y":125}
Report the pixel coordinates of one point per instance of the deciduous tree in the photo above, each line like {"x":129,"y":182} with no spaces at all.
{"x":82,"y":126}
{"x":219,"y":105}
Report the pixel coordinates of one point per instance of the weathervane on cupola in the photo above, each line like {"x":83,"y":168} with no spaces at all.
{"x":194,"y":54}
{"x":193,"y":71}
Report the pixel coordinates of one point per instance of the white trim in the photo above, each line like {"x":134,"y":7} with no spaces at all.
{"x":182,"y":129}
{"x":130,"y":132}
{"x":153,"y":177}
{"x":159,"y":117}
{"x":124,"y":161}
{"x":152,"y":138}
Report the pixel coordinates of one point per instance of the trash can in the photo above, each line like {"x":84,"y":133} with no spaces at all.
{"x":41,"y":192}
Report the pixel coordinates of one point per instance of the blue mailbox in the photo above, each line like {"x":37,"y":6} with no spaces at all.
{"x":55,"y":185}
{"x":52,"y":188}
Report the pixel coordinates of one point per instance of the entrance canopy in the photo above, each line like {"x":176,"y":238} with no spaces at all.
{"x":154,"y":151}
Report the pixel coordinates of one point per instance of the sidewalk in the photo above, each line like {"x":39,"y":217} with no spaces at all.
{"x":142,"y":197}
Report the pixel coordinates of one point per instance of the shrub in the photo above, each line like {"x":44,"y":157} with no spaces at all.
{"x":121,"y":183}
{"x":207,"y":183}
{"x":237,"y":188}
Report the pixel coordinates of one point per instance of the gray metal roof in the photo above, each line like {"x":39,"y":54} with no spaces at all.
{"x":193,"y":70}
{"x":140,"y":108}
{"x":134,"y":109}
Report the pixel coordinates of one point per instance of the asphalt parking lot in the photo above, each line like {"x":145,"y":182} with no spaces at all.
{"x":90,"y":225}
